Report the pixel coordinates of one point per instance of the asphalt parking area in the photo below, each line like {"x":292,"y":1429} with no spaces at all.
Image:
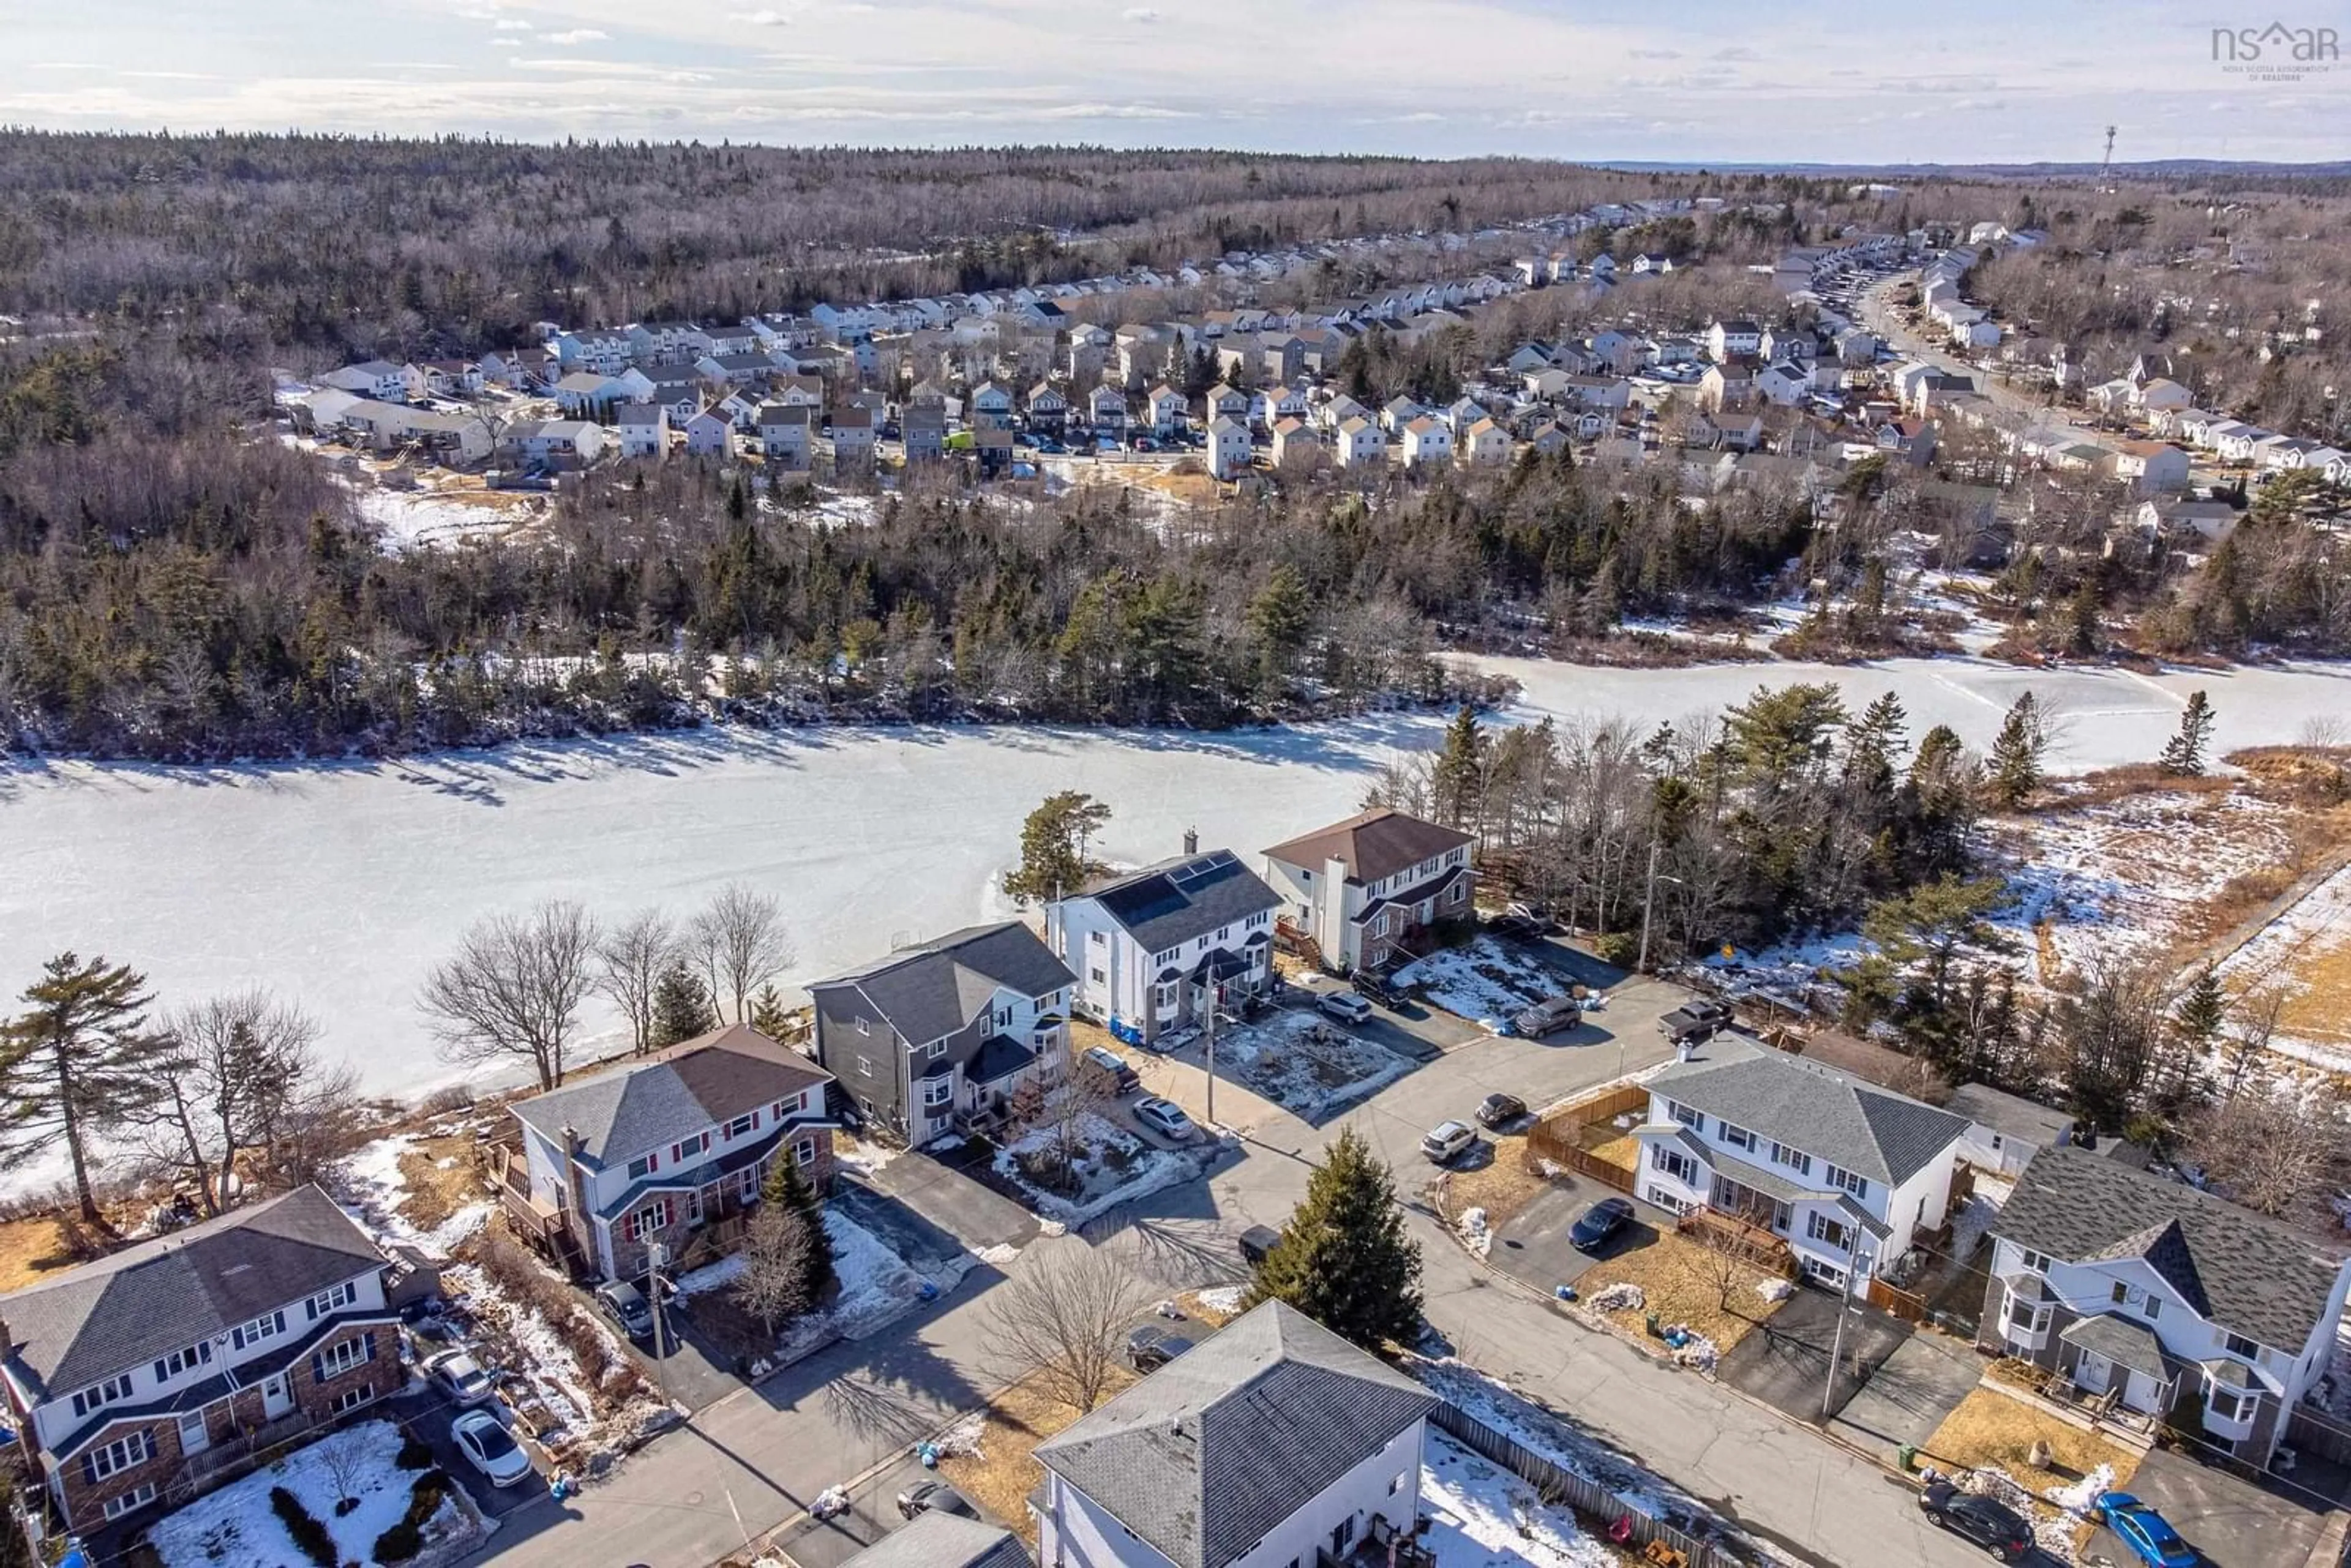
{"x":1911,"y":1392}
{"x":427,"y":1414}
{"x":1533,"y":1244}
{"x":872,"y":1514}
{"x":2234,"y":1523}
{"x":1785,"y":1361}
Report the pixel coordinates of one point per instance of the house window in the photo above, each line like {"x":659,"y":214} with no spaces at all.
{"x":690,"y":1148}
{"x":180,"y":1361}
{"x":105,"y":1393}
{"x":2145,"y":1301}
{"x":1673,"y":1162}
{"x":1795,"y":1159}
{"x":1737,"y":1137}
{"x":746,"y":1183}
{"x":1098,"y":977}
{"x":2035,"y":1262}
{"x":2027,"y":1317}
{"x":341,"y":1356}
{"x":1851,"y":1181}
{"x":353,"y":1398}
{"x":641,"y":1168}
{"x":742,"y":1124}
{"x":110,"y":1459}
{"x":865,"y":1067}
{"x":938,"y":1091}
{"x":259,"y":1329}
{"x":1821,"y":1228}
{"x":1223,"y":931}
{"x":1396,"y":1482}
{"x":1694,"y":1120}
{"x":325,"y":1302}
{"x":804,"y":1151}
{"x":935,"y":1049}
{"x":863,"y":1027}
{"x":2237,"y":1344}
{"x":652,"y":1219}
{"x":138,"y":1497}
{"x":2233,"y":1405}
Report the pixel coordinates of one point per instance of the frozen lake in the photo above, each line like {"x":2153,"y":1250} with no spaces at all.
{"x":340,"y":884}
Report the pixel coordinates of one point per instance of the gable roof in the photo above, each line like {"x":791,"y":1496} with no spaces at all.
{"x":1207,"y":1454}
{"x":125,"y":1310}
{"x":1372,"y":845}
{"x":1829,"y":1114}
{"x":1178,"y":900}
{"x":938,"y":1539}
{"x":2231,"y":1266}
{"x":928,"y":992}
{"x":711,"y":1078}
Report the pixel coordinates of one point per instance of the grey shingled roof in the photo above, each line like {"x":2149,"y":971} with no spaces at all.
{"x":929,"y":992}
{"x":2130,"y":1345}
{"x":2008,"y":1114}
{"x":937,"y":1539}
{"x":1829,"y":1114}
{"x":1190,"y":896}
{"x":712,"y":1079}
{"x":2231,"y":1266}
{"x":1207,"y":1454}
{"x":160,"y":1296}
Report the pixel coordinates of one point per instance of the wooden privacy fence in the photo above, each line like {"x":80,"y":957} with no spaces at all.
{"x":1904,"y":1304}
{"x":1588,"y":1498}
{"x":1569,"y":1156}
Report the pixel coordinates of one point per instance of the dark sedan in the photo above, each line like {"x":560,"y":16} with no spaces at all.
{"x":1600,"y":1223}
{"x":1993,"y":1526}
{"x":1500,"y":1111}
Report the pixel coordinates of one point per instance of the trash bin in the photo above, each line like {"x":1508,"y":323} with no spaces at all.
{"x":1906,"y":1455}
{"x":1654,"y":1332}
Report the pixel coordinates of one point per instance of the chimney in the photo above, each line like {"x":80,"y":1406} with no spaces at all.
{"x":1191,"y":841}
{"x":575,"y":1183}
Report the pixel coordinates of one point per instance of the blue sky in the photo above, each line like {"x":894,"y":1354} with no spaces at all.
{"x":1992,"y":80}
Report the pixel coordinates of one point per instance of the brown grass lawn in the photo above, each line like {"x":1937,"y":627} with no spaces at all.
{"x":434,"y":1193}
{"x":1623,"y":1151}
{"x":1683,"y":1283}
{"x":1000,"y":1477}
{"x":1501,"y":1186}
{"x":1991,"y":1431}
{"x":30,"y":1250}
{"x":2319,"y":1008}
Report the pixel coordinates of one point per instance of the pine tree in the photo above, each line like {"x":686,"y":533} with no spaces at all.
{"x":1278,"y":620}
{"x":769,"y":1015}
{"x":2183,"y":754}
{"x":2016,"y":754}
{"x":1053,"y":847}
{"x":787,"y":1188}
{"x":80,"y":1060}
{"x":1343,"y":1260}
{"x":2203,"y":1012}
{"x":682,"y":1007}
{"x":1460,"y":771}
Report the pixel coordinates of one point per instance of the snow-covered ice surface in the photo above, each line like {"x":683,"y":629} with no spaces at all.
{"x":424,"y":517}
{"x":236,"y":1528}
{"x":1482,"y":1516}
{"x":1305,"y":1062}
{"x":1482,"y":980}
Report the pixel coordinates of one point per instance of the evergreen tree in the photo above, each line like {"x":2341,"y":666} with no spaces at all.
{"x":787,"y":1188}
{"x":2016,"y":754}
{"x":682,"y":1007}
{"x":1279,"y":619}
{"x":78,"y":1062}
{"x":1872,"y":742}
{"x":1460,"y":771}
{"x":769,"y":1015}
{"x":1053,"y":847}
{"x":2183,"y":754}
{"x":1343,"y":1260}
{"x":2201,"y":1014}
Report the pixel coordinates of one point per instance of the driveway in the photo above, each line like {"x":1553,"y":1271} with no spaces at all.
{"x":2234,"y":1522}
{"x":872,"y":1514}
{"x":1533,"y":1244}
{"x":1785,"y":1361}
{"x":944,"y":1207}
{"x":1911,"y":1393}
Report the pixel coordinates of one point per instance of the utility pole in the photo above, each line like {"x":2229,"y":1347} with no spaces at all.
{"x":1212,"y":1051}
{"x":1844,"y":1306}
{"x":2106,"y":164}
{"x":1648,"y":902}
{"x":655,"y":1256}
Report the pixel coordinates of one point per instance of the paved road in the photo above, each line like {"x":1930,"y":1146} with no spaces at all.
{"x":1878,"y":316}
{"x":755,"y":1460}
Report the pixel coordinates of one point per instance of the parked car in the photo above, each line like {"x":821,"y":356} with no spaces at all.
{"x":1380,"y":989}
{"x":1500,"y":1110}
{"x":1166,"y":1118}
{"x":1517,"y":927}
{"x":1345,"y":1006}
{"x":1695,"y":1020}
{"x":932,"y":1497}
{"x":1600,"y":1221}
{"x":2148,"y":1535}
{"x":1550,"y":1016}
{"x":1991,"y":1525}
{"x":457,"y":1374}
{"x":490,"y":1448}
{"x":1256,"y":1241}
{"x":1148,"y":1349}
{"x":626,"y":1306}
{"x":1110,"y":1065}
{"x":1449,"y":1141}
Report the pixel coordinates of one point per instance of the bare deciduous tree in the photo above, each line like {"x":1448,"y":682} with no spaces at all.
{"x":242,"y":1070}
{"x":773,"y":1286}
{"x":1062,"y":1317}
{"x":2255,"y":1019}
{"x":740,"y":943}
{"x":1063,"y":1110}
{"x":514,"y":988}
{"x":2269,"y":1146}
{"x":629,"y":964}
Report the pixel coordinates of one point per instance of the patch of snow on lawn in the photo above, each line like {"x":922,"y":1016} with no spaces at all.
{"x":2315,"y":931}
{"x":2077,"y":1497}
{"x":1482,"y":1516}
{"x":370,"y":1188}
{"x":1224,"y":1298}
{"x":1476,"y":1234}
{"x":236,"y":1525}
{"x":710,"y":1275}
{"x":876,"y":1285}
{"x":1483,"y":981}
{"x":1114,"y":1167}
{"x":1305,"y":1063}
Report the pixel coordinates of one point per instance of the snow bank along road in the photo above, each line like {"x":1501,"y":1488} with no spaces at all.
{"x":341,"y":884}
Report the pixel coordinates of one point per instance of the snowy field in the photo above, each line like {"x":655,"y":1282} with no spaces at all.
{"x":2307,"y":953}
{"x":1282,"y":1060}
{"x":1484,"y":982}
{"x":235,"y":1527}
{"x":1482,"y":1516}
{"x":341,"y":884}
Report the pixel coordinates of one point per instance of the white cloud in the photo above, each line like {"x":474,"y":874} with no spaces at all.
{"x":512,"y":25}
{"x":760,"y":18}
{"x":506,"y":43}
{"x":578,"y":36}
{"x":1141,"y":16}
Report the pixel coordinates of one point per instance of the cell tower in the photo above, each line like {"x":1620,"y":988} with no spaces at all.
{"x":2106,"y":164}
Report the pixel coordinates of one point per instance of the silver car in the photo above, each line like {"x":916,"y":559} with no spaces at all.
{"x":1166,"y":1118}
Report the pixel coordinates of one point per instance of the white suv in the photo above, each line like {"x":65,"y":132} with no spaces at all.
{"x":1345,"y":1006}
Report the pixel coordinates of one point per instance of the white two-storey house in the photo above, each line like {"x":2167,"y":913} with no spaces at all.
{"x":936,"y":1039}
{"x":2173,"y":1301}
{"x":673,"y":1149}
{"x":1361,"y":890}
{"x":1152,"y":950}
{"x":1272,"y":1445}
{"x":1844,"y":1172}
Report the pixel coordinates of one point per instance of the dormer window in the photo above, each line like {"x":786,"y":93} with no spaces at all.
{"x":325,"y":1302}
{"x":742,"y":1125}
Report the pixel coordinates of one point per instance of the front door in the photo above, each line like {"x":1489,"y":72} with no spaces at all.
{"x":277,"y":1396}
{"x":195,"y":1436}
{"x":2092,"y":1373}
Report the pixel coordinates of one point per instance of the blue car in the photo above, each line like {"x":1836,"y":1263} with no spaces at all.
{"x":2150,"y":1538}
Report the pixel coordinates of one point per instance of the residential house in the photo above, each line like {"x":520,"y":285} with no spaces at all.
{"x":1151,"y":948}
{"x":667,"y":342}
{"x":709,"y":434}
{"x":1847,"y":1174}
{"x":1229,"y":447}
{"x":585,"y":394}
{"x":556,"y":443}
{"x":1427,"y":444}
{"x":1049,"y":411}
{"x":1727,"y":340}
{"x":991,"y":407}
{"x":787,"y":435}
{"x":669,"y":1149}
{"x":992,"y":450}
{"x":643,"y":430}
{"x":1652,"y":262}
{"x":1485,"y":444}
{"x":378,"y":379}
{"x":734,"y":370}
{"x":1224,"y":401}
{"x":457,"y":439}
{"x":1106,"y":410}
{"x":1913,"y":440}
{"x":1726,"y":387}
{"x":2176,"y":1301}
{"x":934,"y":1039}
{"x":1547,"y":438}
{"x":924,"y":432}
{"x":604,"y":352}
{"x":1295,"y":443}
{"x":1783,"y":383}
{"x":2151,"y":467}
{"x":174,"y":1364}
{"x":1273,"y":1442}
{"x":1168,"y":410}
{"x":1361,"y":443}
{"x":853,"y":429}
{"x":2162,"y":394}
{"x":1366,"y":890}
{"x":2005,"y":1131}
